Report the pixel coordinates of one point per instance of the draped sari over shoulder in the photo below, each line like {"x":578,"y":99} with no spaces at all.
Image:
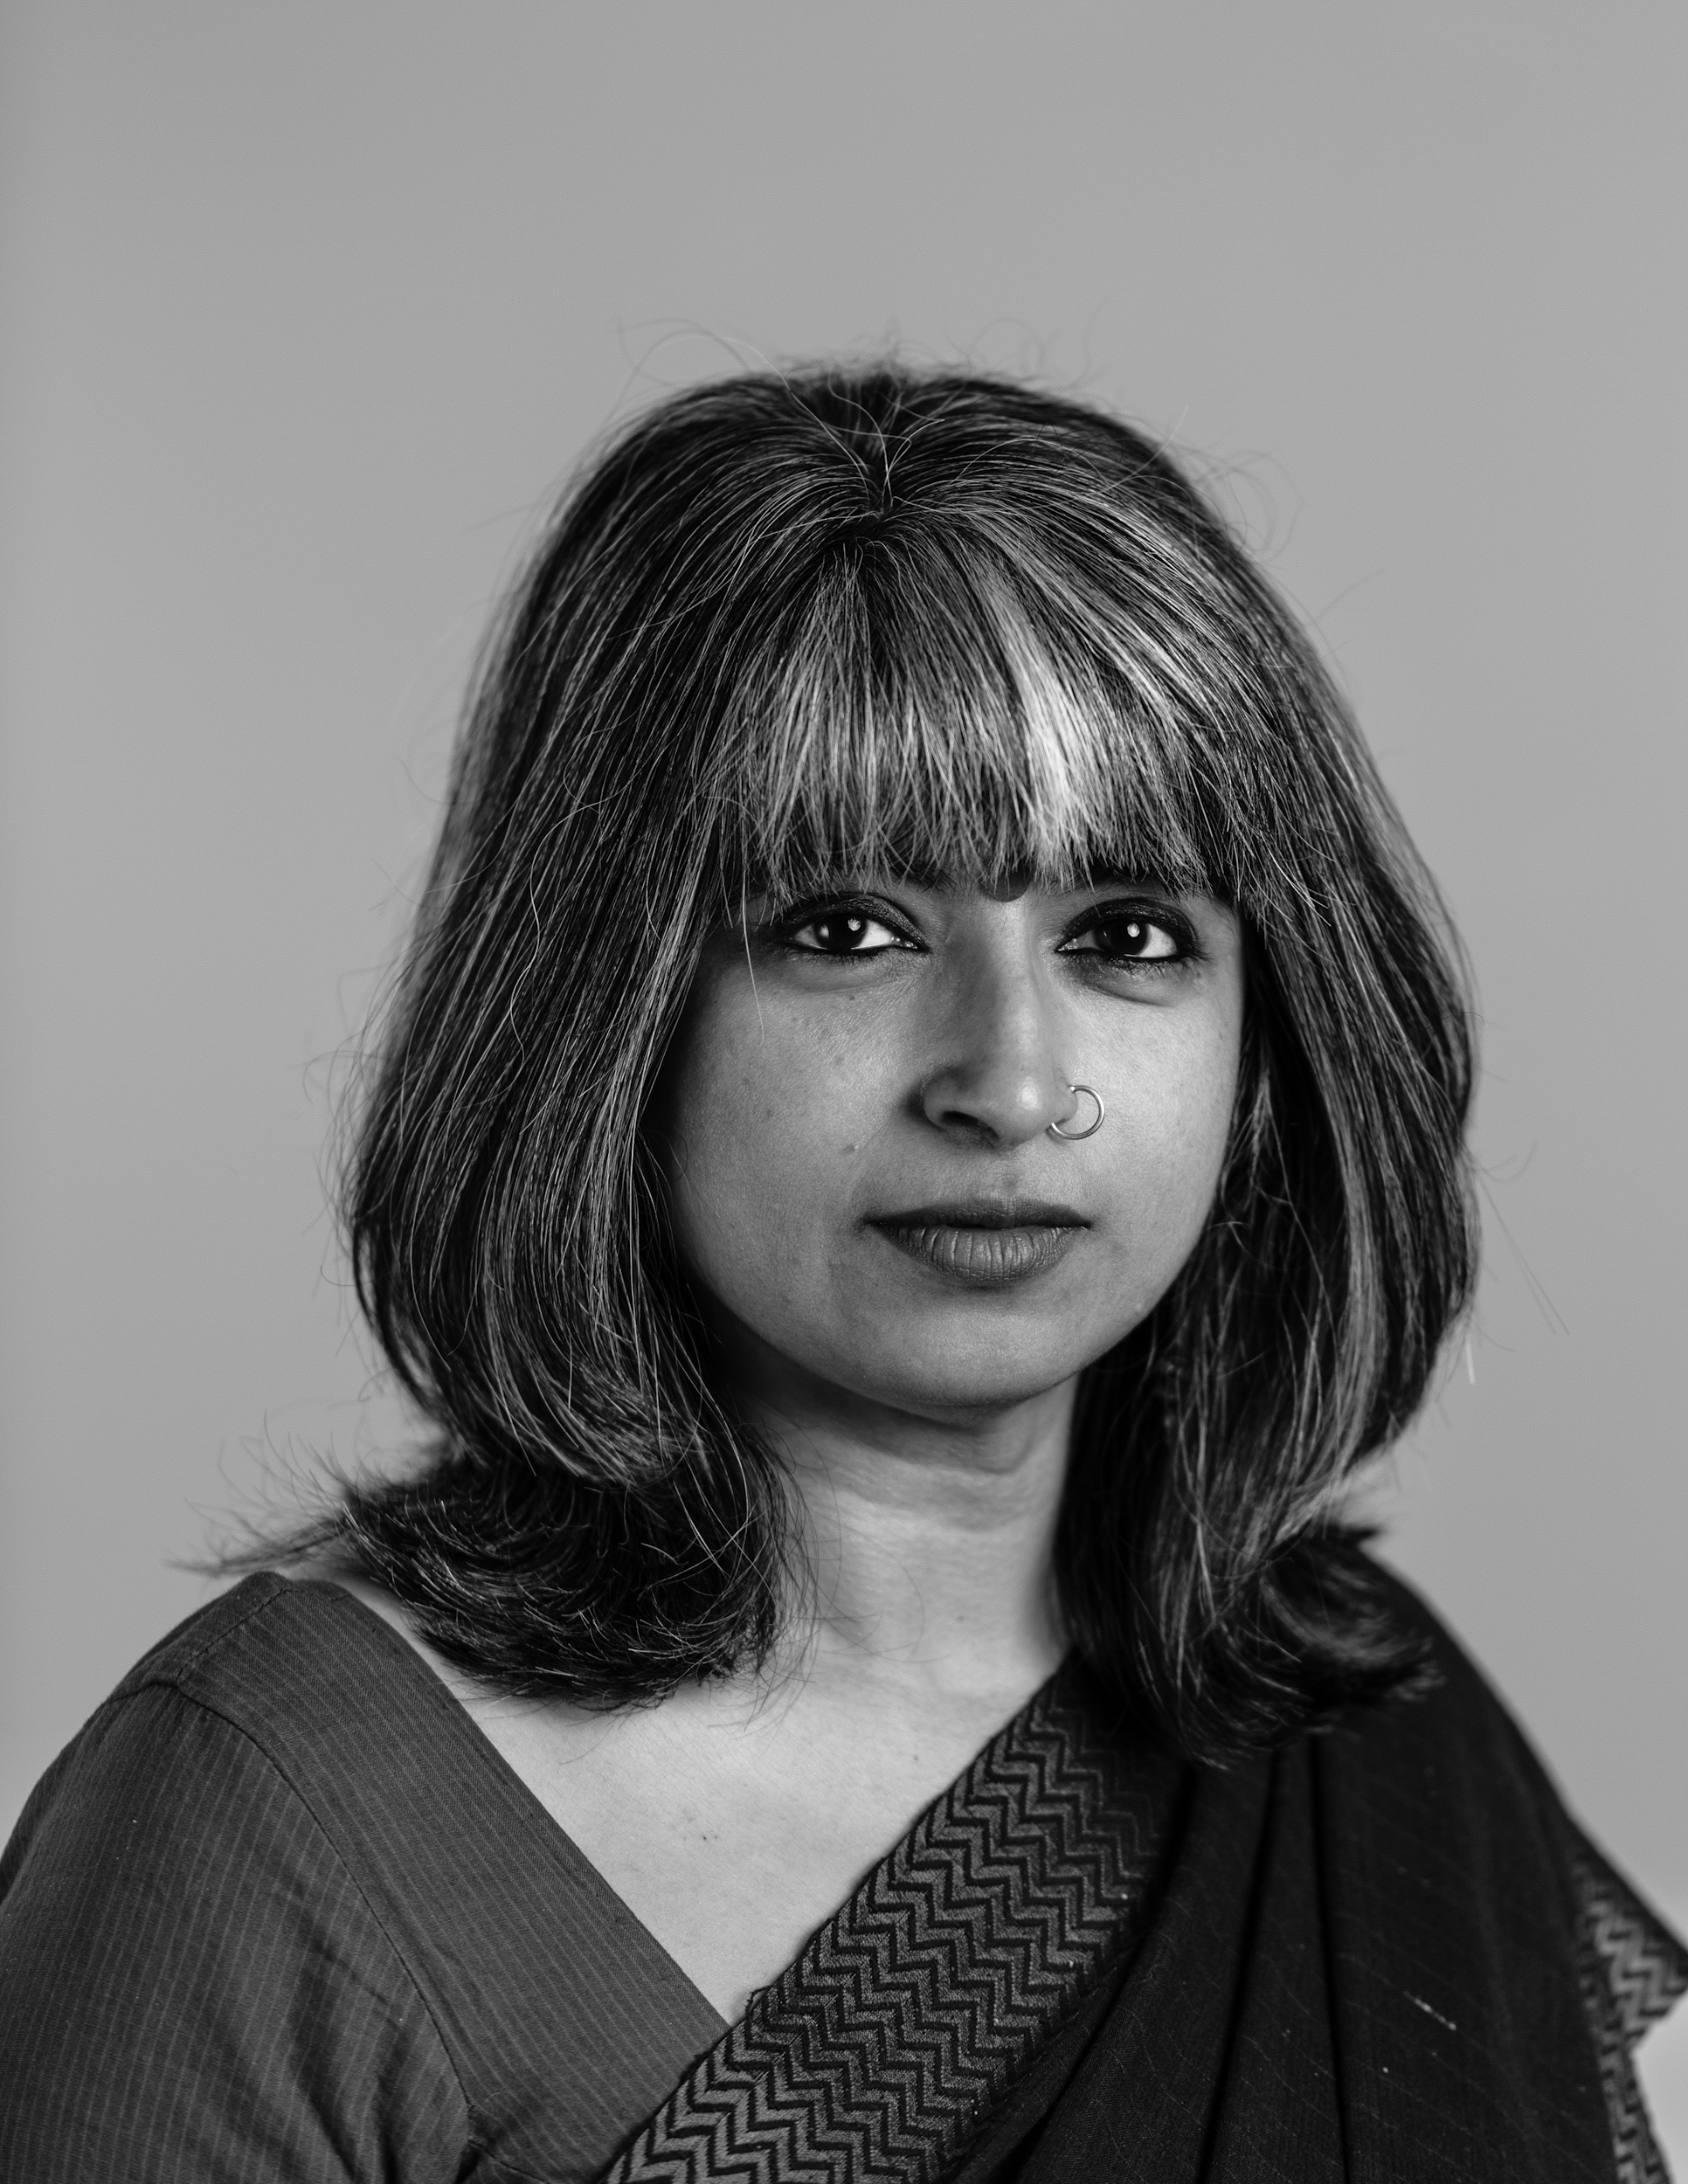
{"x":1384,"y":1954}
{"x":281,"y":1910}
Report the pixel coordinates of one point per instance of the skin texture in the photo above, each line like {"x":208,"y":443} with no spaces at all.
{"x":924,"y":1417}
{"x":817,"y":1092}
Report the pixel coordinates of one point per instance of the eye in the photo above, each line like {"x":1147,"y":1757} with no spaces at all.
{"x":841,"y":931}
{"x":1129,"y":936}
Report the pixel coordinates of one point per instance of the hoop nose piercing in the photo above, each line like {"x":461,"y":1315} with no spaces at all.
{"x":1073,"y":1136}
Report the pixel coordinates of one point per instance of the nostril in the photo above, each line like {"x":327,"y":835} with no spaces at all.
{"x":999,"y":1108}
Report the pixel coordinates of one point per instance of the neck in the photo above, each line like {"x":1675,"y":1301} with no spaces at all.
{"x":929,"y":1541}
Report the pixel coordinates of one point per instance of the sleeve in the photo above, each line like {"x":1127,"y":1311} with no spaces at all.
{"x":1633,"y":1968}
{"x":192,"y":1986}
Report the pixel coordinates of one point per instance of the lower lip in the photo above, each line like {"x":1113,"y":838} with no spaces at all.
{"x":986,"y":1257}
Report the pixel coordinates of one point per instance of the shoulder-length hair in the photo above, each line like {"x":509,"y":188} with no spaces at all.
{"x":786,"y":628}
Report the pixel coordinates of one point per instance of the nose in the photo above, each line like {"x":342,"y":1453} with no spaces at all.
{"x":996,"y":1040}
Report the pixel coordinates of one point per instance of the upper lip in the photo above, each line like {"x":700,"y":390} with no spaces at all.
{"x":983,"y":1213}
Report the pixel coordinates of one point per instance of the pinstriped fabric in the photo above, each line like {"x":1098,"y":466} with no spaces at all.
{"x":908,"y":2016}
{"x":280,"y":1911}
{"x":1632,"y":1972}
{"x":175,"y":1997}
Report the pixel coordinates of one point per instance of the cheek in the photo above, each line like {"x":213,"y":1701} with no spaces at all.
{"x":763,"y":1121}
{"x":1205,"y":1106}
{"x":1175,"y":1128}
{"x":720,"y":1114}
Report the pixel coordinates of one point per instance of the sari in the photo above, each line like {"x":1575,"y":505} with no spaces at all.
{"x":1384,"y":1953}
{"x":281,"y":1910}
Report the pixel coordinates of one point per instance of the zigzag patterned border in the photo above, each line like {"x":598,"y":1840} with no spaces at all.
{"x":1632,"y":1971}
{"x":876,"y":2057}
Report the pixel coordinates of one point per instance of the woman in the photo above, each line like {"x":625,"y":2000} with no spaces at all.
{"x":918,"y":1144}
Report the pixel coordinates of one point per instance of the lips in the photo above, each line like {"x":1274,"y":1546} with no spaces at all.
{"x":985,"y":1242}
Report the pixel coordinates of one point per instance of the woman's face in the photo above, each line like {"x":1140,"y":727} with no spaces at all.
{"x":858,"y":1117}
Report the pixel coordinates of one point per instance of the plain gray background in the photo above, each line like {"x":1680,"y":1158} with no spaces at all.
{"x":311,"y":306}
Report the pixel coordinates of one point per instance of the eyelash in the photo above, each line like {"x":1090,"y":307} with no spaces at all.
{"x":784,"y":931}
{"x":1187,"y":948}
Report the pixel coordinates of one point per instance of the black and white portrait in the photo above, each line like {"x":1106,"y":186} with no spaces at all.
{"x":842,"y":1127}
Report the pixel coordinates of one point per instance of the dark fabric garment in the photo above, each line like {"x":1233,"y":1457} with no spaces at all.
{"x":925,"y":1999}
{"x":1386,"y":1953}
{"x":281,"y":1911}
{"x":1372,"y":1962}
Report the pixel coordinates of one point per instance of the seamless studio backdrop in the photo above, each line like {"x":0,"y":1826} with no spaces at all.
{"x":309,"y":311}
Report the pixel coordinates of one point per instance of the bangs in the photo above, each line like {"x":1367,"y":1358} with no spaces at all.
{"x":940,"y":720}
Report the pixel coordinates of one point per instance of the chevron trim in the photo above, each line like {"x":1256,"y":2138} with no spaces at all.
{"x":878,"y":2054}
{"x":1632,"y":1971}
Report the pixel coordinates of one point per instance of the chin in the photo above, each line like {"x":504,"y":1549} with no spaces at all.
{"x":972,"y":1378}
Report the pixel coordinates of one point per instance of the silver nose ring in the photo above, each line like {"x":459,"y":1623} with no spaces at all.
{"x":1073,"y":1136}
